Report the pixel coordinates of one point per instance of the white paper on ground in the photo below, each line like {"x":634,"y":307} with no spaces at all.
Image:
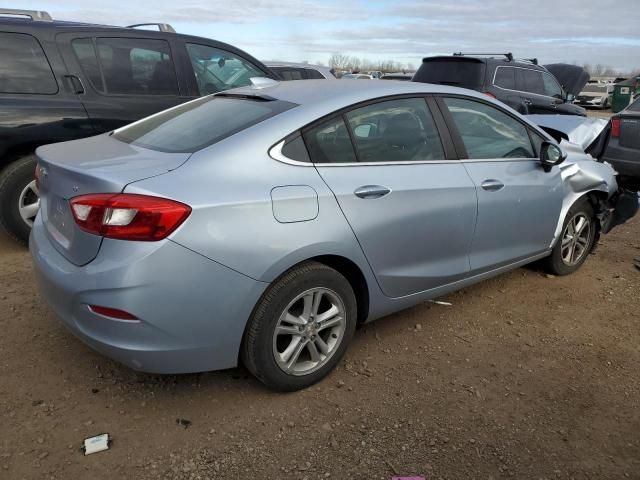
{"x":96,"y":444}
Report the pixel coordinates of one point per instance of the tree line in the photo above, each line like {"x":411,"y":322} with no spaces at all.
{"x":339,"y":61}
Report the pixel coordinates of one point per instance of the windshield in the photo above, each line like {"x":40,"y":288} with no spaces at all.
{"x":594,"y":87}
{"x":459,"y":72}
{"x":193,"y":126}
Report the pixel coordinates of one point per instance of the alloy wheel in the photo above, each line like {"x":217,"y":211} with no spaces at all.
{"x":576,"y":239}
{"x":309,"y":331}
{"x":29,"y":203}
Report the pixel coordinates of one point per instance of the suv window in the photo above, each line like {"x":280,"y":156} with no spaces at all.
{"x":131,"y":66}
{"x":25,"y":68}
{"x":330,"y":143}
{"x":551,"y":86}
{"x":395,"y":131}
{"x":86,"y":53}
{"x":528,"y":80}
{"x":505,"y":78}
{"x":217,"y":70}
{"x":487,"y":132}
{"x":456,"y":71}
{"x":197,"y":124}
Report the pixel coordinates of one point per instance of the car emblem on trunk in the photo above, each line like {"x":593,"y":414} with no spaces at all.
{"x":76,"y":188}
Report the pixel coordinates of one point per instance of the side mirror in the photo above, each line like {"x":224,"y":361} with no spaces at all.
{"x":550,"y":155}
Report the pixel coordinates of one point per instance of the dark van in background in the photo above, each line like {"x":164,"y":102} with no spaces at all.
{"x":63,"y":81}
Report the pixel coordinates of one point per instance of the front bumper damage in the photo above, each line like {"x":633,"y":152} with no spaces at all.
{"x":622,"y":206}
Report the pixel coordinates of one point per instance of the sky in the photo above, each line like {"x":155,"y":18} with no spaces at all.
{"x":603,"y":32}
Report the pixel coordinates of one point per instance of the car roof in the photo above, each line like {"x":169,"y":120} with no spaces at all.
{"x":312,"y":92}
{"x":291,"y":64}
{"x":488,"y":60}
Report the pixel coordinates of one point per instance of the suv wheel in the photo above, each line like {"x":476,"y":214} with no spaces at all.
{"x":300,"y":328}
{"x":19,"y":201}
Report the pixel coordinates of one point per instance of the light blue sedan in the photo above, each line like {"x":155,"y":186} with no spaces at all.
{"x":266,"y":223}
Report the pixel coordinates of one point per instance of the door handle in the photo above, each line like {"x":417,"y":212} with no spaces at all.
{"x":371,"y":191}
{"x":76,"y":84}
{"x":492,"y":185}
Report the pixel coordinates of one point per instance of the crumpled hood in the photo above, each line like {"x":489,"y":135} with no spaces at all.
{"x":572,"y":77}
{"x":582,"y":131}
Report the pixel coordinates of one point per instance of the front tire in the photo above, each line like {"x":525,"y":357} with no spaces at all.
{"x":576,"y":240}
{"x":19,"y":201}
{"x":300,"y":328}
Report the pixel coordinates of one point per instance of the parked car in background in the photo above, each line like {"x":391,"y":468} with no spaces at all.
{"x":301,"y":71}
{"x":524,"y":85}
{"x":402,"y":76}
{"x":595,"y":94}
{"x":283,"y":215}
{"x":623,"y":148}
{"x":357,"y":76}
{"x":375,"y":74}
{"x":62,"y":81}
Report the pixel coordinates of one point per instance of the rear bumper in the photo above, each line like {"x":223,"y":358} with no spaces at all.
{"x":192,"y":310}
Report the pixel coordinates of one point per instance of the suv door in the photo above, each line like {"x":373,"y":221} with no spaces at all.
{"x":534,"y":90}
{"x":518,"y":202}
{"x":123,"y":77}
{"x":411,"y":207}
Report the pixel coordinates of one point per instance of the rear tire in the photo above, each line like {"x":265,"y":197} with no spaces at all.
{"x":288,"y":346}
{"x":18,"y":194}
{"x":576,"y":240}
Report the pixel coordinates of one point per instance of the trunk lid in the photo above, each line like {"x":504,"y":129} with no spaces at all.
{"x":630,"y":130}
{"x":99,"y":164}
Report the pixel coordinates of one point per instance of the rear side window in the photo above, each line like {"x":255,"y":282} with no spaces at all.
{"x":529,"y":81}
{"x":505,"y":78}
{"x":195,"y":125}
{"x":635,"y":106}
{"x":330,"y":143}
{"x":459,"y":72}
{"x":136,"y":66}
{"x":290,"y":73}
{"x":217,"y":70}
{"x":24,"y":67}
{"x":395,"y":131}
{"x":487,"y":132}
{"x":314,"y":74}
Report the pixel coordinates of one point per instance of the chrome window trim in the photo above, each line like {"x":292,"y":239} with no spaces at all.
{"x":275,"y":153}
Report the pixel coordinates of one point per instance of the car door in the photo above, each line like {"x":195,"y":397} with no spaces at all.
{"x":531,"y":83}
{"x":411,"y":207}
{"x":120,"y":78}
{"x":518,"y":202}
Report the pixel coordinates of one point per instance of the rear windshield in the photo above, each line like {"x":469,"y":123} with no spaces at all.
{"x":459,"y":72}
{"x":195,"y":125}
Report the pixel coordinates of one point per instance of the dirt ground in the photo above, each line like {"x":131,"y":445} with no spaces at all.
{"x":525,"y":376}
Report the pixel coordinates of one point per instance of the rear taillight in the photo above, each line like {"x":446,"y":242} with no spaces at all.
{"x":128,"y":216}
{"x":489,"y":94}
{"x":615,"y":127}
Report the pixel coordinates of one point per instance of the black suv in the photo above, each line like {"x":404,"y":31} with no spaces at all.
{"x":63,"y":81}
{"x":522,"y":84}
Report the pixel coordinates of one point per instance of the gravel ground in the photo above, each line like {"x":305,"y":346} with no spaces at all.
{"x":526,"y":376}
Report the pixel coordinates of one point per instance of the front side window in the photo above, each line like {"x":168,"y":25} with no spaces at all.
{"x":505,"y":78}
{"x":314,"y":74}
{"x":25,"y":68}
{"x":217,"y":70}
{"x":487,"y":132}
{"x":137,"y":66}
{"x":529,"y":81}
{"x":395,"y":131}
{"x":88,"y":59}
{"x":551,"y":86}
{"x":197,"y":124}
